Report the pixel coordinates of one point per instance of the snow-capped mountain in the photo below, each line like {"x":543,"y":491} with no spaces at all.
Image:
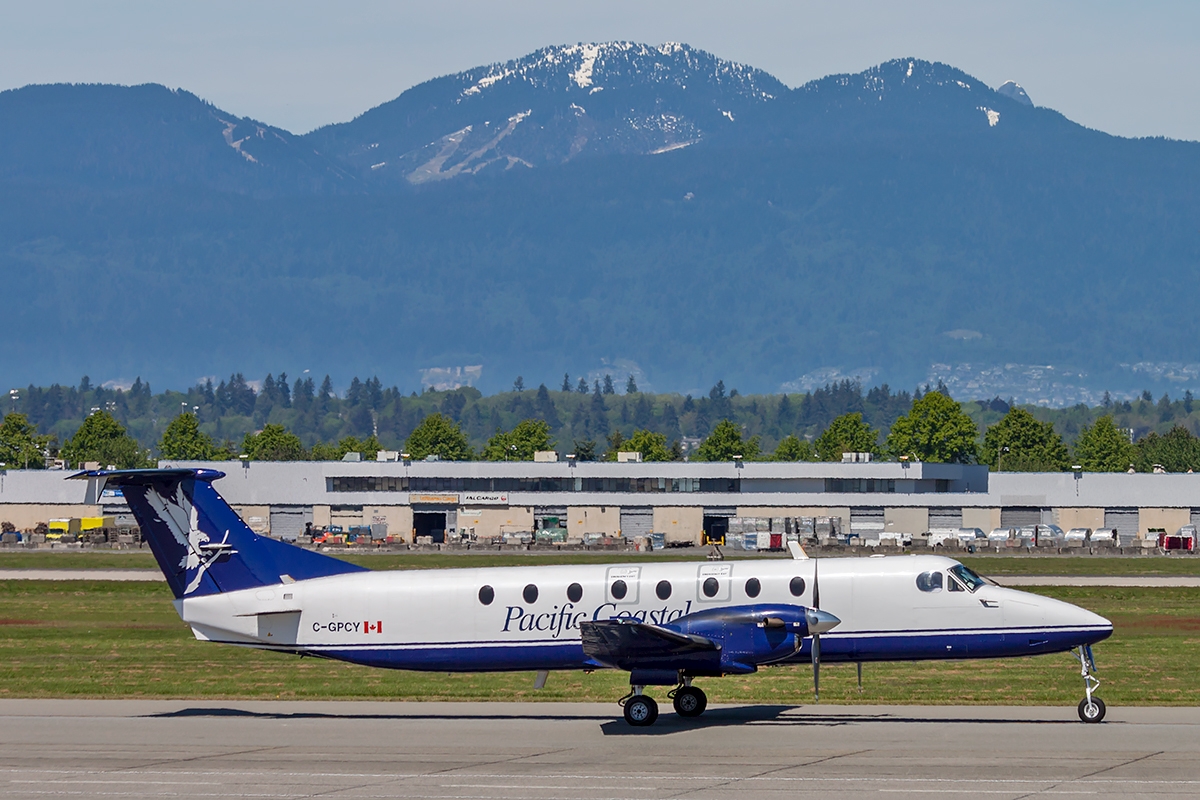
{"x":552,"y":106}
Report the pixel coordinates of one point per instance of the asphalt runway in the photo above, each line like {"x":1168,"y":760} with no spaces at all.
{"x":501,"y":751}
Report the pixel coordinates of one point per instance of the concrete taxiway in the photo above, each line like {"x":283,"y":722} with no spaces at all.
{"x":498,"y":751}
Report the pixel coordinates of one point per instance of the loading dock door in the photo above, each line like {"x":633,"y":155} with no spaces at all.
{"x":1125,"y":520}
{"x":945,"y":518}
{"x":430,"y":523}
{"x":716,"y":523}
{"x":866,"y":522}
{"x":637,"y":521}
{"x":1019,"y":517}
{"x":287,"y":522}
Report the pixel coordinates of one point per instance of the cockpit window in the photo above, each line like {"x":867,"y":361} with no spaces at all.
{"x":968,"y":578}
{"x":929,"y":581}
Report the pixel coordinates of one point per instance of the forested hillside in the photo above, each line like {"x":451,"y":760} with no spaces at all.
{"x":588,"y":206}
{"x":304,"y":418}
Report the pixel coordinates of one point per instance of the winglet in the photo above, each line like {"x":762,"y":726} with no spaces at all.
{"x":797,"y":551}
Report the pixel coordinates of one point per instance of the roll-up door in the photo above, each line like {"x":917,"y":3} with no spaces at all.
{"x":550,"y":517}
{"x":345,"y":517}
{"x":287,"y":522}
{"x":945,"y":518}
{"x":1196,"y":517}
{"x":1019,"y":516}
{"x":1125,"y":520}
{"x":866,"y":522}
{"x":637,"y":521}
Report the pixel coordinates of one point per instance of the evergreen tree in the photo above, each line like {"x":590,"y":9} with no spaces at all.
{"x":582,"y":388}
{"x":585,"y":450}
{"x":566,"y":384}
{"x":631,"y":385}
{"x":608,"y":385}
{"x":1176,"y":451}
{"x":544,"y":408}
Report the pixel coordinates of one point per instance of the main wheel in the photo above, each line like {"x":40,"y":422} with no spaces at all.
{"x":1091,"y":711}
{"x":641,"y":710}
{"x":690,"y":701}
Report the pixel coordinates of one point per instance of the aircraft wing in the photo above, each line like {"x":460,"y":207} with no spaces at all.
{"x":638,"y":645}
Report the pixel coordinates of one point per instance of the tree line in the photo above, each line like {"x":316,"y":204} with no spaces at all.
{"x":301,"y":420}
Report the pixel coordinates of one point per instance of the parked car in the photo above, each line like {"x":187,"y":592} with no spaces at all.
{"x":1077,"y":535}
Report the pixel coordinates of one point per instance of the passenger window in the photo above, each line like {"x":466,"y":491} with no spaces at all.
{"x":753,"y":587}
{"x":929,"y":581}
{"x":486,"y":595}
{"x":710,"y":587}
{"x":619,"y":590}
{"x":574,"y":592}
{"x":796,"y":586}
{"x":530,"y":594}
{"x":663,"y":590}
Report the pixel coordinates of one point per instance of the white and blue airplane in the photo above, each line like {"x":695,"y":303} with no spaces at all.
{"x":665,"y":623}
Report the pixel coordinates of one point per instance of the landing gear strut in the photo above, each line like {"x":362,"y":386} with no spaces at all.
{"x":1091,"y":709}
{"x":640,"y":709}
{"x":689,"y":701}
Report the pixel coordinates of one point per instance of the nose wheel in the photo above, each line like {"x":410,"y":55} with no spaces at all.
{"x":1091,"y":708}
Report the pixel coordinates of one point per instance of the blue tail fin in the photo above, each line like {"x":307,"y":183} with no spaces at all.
{"x":201,"y":544}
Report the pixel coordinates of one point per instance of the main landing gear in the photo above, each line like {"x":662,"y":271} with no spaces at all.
{"x":1091,"y":709}
{"x":641,"y":709}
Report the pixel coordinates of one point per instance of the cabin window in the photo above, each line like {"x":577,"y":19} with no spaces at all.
{"x":753,"y":587}
{"x":574,"y":592}
{"x":796,"y":586}
{"x":530,"y":594}
{"x":486,"y":595}
{"x":619,"y":589}
{"x":663,"y":590}
{"x":710,"y":587}
{"x":929,"y":581}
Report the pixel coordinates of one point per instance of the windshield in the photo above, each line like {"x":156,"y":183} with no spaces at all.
{"x":969,"y":578}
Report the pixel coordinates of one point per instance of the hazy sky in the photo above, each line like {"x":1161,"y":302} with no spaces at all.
{"x":1123,"y":67}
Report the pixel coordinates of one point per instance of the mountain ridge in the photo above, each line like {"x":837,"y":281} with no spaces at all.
{"x":856,"y":220}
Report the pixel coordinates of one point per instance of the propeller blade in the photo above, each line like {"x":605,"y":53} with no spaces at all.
{"x":816,"y":662}
{"x":816,"y":588}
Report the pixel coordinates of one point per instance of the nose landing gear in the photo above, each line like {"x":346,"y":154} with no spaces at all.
{"x":1091,"y":708}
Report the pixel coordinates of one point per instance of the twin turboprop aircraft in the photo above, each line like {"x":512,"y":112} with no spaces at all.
{"x":665,"y":623}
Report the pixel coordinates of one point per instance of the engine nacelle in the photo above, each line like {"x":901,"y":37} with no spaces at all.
{"x":749,"y":636}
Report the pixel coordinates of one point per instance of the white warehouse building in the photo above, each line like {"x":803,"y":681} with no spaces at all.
{"x":682,"y":501}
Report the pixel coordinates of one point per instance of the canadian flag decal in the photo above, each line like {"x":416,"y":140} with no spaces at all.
{"x":374,"y":627}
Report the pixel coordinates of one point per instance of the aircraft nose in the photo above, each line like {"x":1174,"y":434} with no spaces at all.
{"x":820,"y":621}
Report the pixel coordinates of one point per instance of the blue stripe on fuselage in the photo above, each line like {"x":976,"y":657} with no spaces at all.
{"x":906,"y":646}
